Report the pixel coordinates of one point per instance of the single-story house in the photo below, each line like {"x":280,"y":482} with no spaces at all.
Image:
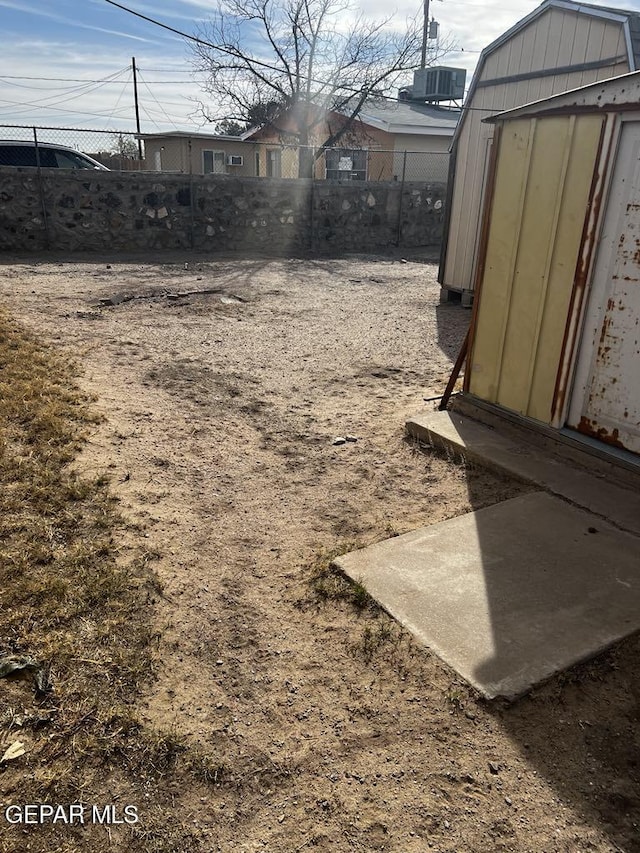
{"x":555,"y":334}
{"x":560,"y":46}
{"x":197,"y":153}
{"x":374,"y":146}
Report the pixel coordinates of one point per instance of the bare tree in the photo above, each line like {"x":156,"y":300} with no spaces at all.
{"x":231,"y":127}
{"x":125,"y":146}
{"x":291,"y":63}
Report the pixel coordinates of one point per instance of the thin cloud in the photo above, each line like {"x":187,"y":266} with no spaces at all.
{"x":118,"y":33}
{"x":164,"y":14}
{"x":61,"y":19}
{"x":19,"y":7}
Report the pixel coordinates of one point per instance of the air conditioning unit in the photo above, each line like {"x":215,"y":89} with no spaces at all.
{"x":438,"y":84}
{"x":235,"y":160}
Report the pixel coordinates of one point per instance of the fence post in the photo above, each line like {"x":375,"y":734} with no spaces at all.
{"x":45,"y":220}
{"x":312,"y":223}
{"x":192,"y":236}
{"x":404,"y":172}
{"x":311,"y":155}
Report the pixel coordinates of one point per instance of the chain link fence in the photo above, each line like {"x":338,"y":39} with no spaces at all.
{"x":199,"y":154}
{"x":117,"y":150}
{"x":202,"y":154}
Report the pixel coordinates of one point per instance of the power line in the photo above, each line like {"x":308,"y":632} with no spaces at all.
{"x":80,"y":80}
{"x":192,"y":38}
{"x":70,"y":94}
{"x":144,"y":83}
{"x":60,"y":79}
{"x":98,"y":114}
{"x":173,"y":70}
{"x":122,"y":91}
{"x":256,"y":62}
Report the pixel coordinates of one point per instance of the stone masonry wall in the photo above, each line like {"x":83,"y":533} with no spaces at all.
{"x":96,"y":211}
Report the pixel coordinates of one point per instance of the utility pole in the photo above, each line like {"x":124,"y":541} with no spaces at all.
{"x":425,"y":34}
{"x":135,"y":98}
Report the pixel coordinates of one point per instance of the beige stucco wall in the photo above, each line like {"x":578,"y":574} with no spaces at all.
{"x":183,"y":154}
{"x":555,"y":39}
{"x":415,"y":142}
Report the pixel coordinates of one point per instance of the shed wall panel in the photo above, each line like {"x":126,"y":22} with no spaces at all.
{"x":550,"y":143}
{"x":542,"y":185}
{"x":506,"y":215}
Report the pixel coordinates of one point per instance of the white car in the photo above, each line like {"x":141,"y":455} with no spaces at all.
{"x":18,"y":153}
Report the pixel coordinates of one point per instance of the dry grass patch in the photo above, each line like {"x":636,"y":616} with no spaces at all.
{"x":328,"y":583}
{"x":72,"y":609}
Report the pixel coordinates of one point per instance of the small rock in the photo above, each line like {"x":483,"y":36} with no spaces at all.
{"x":219,"y":662}
{"x":508,"y":800}
{"x":494,"y":768}
{"x":280,"y":818}
{"x":351,"y":438}
{"x":339,"y":440}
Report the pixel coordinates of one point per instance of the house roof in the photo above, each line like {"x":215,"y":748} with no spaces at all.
{"x":627,"y":17}
{"x":408,"y":117}
{"x":399,"y":117}
{"x":607,"y":95}
{"x":187,"y":134}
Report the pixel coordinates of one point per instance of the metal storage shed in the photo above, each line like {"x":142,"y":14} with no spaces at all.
{"x":559,"y":46}
{"x":555,"y":335}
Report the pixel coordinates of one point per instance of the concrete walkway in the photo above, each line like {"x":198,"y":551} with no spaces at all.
{"x":513,"y":593}
{"x":505,"y":450}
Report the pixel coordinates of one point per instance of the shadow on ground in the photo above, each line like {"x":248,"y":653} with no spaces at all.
{"x":579,"y":730}
{"x":452,"y":324}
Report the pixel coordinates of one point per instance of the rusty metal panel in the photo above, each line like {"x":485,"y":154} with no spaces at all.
{"x":589,"y":242}
{"x":565,"y":248}
{"x":607,"y":404}
{"x":543,"y":180}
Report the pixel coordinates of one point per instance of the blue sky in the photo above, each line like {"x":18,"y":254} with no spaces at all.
{"x":90,"y":40}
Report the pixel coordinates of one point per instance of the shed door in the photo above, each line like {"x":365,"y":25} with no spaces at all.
{"x":606,"y":400}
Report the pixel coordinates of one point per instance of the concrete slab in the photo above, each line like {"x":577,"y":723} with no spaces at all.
{"x":484,"y":445}
{"x":510,"y":594}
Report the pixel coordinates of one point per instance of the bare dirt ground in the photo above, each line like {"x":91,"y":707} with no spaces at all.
{"x":325,"y":728}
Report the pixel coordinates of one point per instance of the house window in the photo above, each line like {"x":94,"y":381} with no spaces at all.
{"x":346,"y":164}
{"x":274,"y":163}
{"x":257,"y":164}
{"x":213,"y":162}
